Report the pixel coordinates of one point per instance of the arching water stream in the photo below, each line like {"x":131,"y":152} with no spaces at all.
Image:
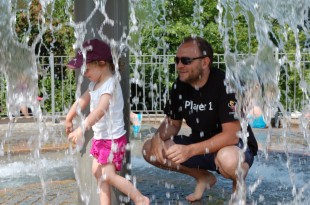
{"x":273,"y":28}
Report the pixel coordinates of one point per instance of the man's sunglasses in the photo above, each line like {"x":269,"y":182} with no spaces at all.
{"x":187,"y":60}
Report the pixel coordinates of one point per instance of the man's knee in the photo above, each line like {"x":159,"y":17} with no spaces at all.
{"x":146,"y":149}
{"x":227,"y":160}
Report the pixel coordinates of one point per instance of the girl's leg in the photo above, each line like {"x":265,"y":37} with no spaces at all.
{"x":111,"y":177}
{"x":103,"y":186}
{"x":24,"y":110}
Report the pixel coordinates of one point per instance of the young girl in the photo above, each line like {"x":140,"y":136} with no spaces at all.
{"x":105,"y":118}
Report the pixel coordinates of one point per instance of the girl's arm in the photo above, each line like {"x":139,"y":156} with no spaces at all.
{"x":98,"y":112}
{"x":92,"y":118}
{"x":82,"y":102}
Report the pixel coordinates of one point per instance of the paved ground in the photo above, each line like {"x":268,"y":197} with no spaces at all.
{"x":163,"y":187}
{"x":57,"y":192}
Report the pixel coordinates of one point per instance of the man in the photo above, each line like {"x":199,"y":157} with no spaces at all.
{"x":199,"y":97}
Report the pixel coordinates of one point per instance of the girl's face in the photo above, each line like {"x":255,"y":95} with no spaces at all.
{"x":94,"y":71}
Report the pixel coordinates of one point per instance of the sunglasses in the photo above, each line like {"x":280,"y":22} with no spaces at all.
{"x":187,"y":60}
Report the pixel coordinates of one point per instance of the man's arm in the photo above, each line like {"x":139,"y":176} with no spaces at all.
{"x":227,"y":137}
{"x":167,"y":129}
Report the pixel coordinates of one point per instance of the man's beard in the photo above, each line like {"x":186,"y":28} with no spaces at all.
{"x":193,"y":77}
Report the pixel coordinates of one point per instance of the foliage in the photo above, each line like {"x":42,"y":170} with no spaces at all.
{"x":162,"y":25}
{"x":64,"y":90}
{"x":2,"y":95}
{"x":292,"y":96}
{"x":48,"y":24}
{"x":166,"y":23}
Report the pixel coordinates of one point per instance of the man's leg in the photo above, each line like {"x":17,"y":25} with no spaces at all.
{"x":227,"y":160}
{"x":204,"y":178}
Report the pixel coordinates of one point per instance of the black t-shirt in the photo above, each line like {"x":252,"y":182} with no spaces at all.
{"x":205,"y":109}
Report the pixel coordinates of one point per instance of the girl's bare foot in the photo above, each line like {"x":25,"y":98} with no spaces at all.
{"x":142,"y":201}
{"x":203,"y":183}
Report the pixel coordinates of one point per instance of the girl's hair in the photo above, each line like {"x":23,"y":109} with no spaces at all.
{"x":110,"y":64}
{"x":121,"y":64}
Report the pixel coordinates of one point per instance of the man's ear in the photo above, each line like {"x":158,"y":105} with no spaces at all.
{"x":206,"y":62}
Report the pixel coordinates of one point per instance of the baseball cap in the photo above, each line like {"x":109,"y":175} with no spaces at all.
{"x":96,"y":50}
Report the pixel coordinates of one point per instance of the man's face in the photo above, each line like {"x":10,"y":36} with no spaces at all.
{"x":189,"y":73}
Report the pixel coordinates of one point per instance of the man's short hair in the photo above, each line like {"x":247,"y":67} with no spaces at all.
{"x":204,"y":46}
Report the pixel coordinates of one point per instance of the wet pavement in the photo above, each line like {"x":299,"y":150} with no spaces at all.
{"x":57,"y":192}
{"x":163,"y":187}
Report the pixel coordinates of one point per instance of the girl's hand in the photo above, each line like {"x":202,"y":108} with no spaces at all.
{"x":76,"y":135}
{"x":69,"y":127}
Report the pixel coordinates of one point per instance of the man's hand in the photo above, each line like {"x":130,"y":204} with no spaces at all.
{"x":158,"y":150}
{"x":178,"y":153}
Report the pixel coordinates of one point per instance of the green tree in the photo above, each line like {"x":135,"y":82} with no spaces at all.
{"x":161,"y":27}
{"x":50,"y":23}
{"x":170,"y":21}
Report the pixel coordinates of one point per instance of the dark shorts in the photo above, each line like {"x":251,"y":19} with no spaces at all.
{"x":206,"y":161}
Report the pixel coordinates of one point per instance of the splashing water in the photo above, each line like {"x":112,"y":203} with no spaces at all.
{"x":253,"y":76}
{"x":18,"y":63}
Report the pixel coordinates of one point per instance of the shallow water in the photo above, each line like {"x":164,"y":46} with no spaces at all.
{"x":275,"y":183}
{"x":164,"y":186}
{"x":19,"y":171}
{"x":268,"y":181}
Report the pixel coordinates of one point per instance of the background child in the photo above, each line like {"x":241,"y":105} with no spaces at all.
{"x":256,"y":118}
{"x":105,"y":118}
{"x":136,"y":121}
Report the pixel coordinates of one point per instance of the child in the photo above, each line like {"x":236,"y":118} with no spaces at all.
{"x":256,"y":118}
{"x":105,"y":118}
{"x":136,"y":120}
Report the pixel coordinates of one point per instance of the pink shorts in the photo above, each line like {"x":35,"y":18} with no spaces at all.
{"x":109,"y":151}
